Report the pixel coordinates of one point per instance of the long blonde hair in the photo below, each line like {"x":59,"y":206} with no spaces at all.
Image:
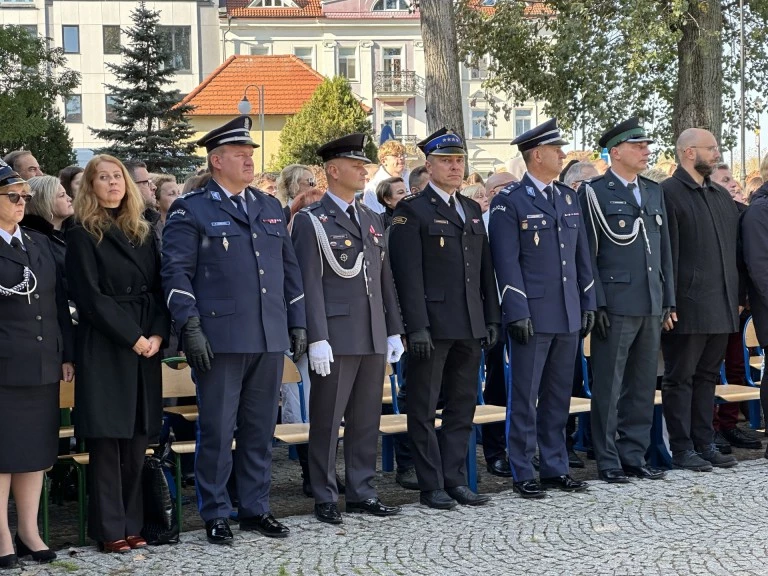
{"x":96,"y":220}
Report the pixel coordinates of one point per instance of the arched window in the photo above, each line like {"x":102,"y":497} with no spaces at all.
{"x":272,"y":4}
{"x":383,"y":5}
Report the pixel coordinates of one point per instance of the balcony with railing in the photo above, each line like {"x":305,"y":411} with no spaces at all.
{"x":404,"y":83}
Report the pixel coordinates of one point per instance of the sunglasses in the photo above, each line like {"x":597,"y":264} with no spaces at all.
{"x":311,"y":182}
{"x":14,"y":197}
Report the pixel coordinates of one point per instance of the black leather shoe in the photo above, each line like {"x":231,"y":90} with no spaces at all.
{"x":438,"y":499}
{"x":722,"y":444}
{"x":644,"y":472}
{"x":573,"y":459}
{"x":264,"y":524}
{"x":9,"y":561}
{"x":463,"y":495}
{"x":499,"y":467}
{"x":218,"y":531}
{"x":372,"y":506}
{"x":328,"y":512}
{"x":43,"y":556}
{"x":407,"y":479}
{"x":740,"y":439}
{"x":613,"y":476}
{"x":564,"y":482}
{"x":529,"y":489}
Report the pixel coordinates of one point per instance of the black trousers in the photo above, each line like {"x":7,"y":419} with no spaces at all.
{"x":495,"y":393}
{"x":440,"y":459}
{"x":691,"y":372}
{"x":115,"y":503}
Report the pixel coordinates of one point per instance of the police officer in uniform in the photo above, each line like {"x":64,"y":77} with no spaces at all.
{"x":444,"y":276}
{"x":353,"y":326}
{"x":632,"y":264}
{"x":234,"y":290}
{"x":541,"y":257}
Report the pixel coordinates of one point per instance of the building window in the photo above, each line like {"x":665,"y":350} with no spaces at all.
{"x":30,"y":28}
{"x":382,"y":5}
{"x":522,"y":120}
{"x":73,"y":109}
{"x":480,"y":124}
{"x":272,"y":4}
{"x":481,"y":70}
{"x":71,"y":39}
{"x":394,"y":119}
{"x":109,"y":105}
{"x":259,"y":50}
{"x":179,"y":43}
{"x":304,"y":53}
{"x":348,"y":63}
{"x":111,"y":37}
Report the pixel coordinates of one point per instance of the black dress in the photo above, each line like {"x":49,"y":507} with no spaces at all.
{"x":35,"y":338}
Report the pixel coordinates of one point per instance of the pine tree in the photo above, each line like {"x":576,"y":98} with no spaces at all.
{"x":148,"y":124}
{"x":331,"y":112}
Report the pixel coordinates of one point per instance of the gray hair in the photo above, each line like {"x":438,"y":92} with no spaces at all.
{"x":44,"y":189}
{"x":580,"y":172}
{"x":288,"y":181}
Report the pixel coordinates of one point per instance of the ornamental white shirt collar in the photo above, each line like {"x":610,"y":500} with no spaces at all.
{"x":343,"y":204}
{"x":8,"y":237}
{"x":446,"y":197}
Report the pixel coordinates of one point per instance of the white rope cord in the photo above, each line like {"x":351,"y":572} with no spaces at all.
{"x":23,"y":288}
{"x":618,"y":239}
{"x":325,"y":248}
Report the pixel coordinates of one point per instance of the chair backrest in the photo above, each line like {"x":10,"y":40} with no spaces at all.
{"x":177,"y":383}
{"x":388,"y":371}
{"x":750,"y":336}
{"x":67,"y":394}
{"x":290,"y":371}
{"x":586,"y":345}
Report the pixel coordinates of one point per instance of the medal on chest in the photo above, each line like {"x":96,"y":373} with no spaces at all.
{"x":225,"y":243}
{"x":536,"y":238}
{"x":442,"y":241}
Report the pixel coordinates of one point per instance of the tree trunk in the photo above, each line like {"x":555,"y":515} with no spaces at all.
{"x":699,"y":95}
{"x":442,"y":82}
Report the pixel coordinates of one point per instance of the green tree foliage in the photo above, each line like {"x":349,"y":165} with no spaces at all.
{"x":594,"y":62}
{"x":331,"y":112}
{"x":148,"y":124}
{"x":32,"y":78}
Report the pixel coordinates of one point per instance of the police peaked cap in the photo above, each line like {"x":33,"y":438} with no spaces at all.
{"x":546,"y":134}
{"x":351,"y":146}
{"x":237,"y":131}
{"x":444,"y":142}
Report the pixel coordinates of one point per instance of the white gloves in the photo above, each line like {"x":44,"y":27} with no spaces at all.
{"x":321,"y":356}
{"x":394,"y":348}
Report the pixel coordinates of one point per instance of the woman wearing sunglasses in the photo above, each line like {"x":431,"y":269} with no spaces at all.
{"x":35,"y":345}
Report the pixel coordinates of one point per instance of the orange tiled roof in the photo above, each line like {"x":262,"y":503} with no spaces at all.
{"x":306,"y":9}
{"x":288,"y":84}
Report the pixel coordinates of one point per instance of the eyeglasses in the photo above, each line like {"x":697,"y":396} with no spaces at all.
{"x":311,"y":182}
{"x":14,"y":197}
{"x":140,"y":182}
{"x":707,"y":148}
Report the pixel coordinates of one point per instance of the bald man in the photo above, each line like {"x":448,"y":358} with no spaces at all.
{"x":703,"y":229}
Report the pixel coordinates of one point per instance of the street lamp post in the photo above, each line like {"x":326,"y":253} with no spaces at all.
{"x":743,"y":173}
{"x":244,"y":107}
{"x":759,"y":104}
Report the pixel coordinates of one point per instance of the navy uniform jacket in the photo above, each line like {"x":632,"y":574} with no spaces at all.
{"x":541,"y":257}
{"x":628,"y":280}
{"x":354,"y":320}
{"x":240,"y":277}
{"x":442,"y":267}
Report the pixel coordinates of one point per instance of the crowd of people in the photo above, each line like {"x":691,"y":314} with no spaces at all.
{"x":350,"y":267}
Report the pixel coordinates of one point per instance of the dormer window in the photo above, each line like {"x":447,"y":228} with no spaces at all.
{"x":385,"y":5}
{"x":272,"y":4}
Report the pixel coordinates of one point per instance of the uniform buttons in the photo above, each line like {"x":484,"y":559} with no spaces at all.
{"x":38,"y":318}
{"x":465,"y":233}
{"x":467,"y":264}
{"x":559,"y":229}
{"x":263,"y":290}
{"x":257,"y":254}
{"x":467,"y":279}
{"x":213,"y":313}
{"x":466,"y":247}
{"x":129,"y":290}
{"x":563,"y":262}
{"x":564,"y":279}
{"x":223,"y":233}
{"x":255,"y":235}
{"x":36,"y":296}
{"x":261,"y":272}
{"x":650,"y":268}
{"x":39,"y":338}
{"x":143,"y":288}
{"x":562,"y":245}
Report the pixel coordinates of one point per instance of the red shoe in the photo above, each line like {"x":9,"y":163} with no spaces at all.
{"x":115,"y":546}
{"x":136,"y":542}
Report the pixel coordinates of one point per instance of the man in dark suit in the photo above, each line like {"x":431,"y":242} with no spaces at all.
{"x":703,"y":230}
{"x":234,"y":290}
{"x":354,"y":328}
{"x":444,"y":276}
{"x":628,"y":237}
{"x":542,"y":266}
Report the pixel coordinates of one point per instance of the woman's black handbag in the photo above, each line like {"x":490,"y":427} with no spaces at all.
{"x":160,"y":526}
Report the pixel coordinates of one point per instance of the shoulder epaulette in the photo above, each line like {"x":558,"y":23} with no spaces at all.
{"x":193,"y":193}
{"x":410,"y":197}
{"x":511,"y":188}
{"x":311,"y":207}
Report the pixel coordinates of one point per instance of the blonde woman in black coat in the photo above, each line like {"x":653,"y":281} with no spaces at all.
{"x":35,"y":337}
{"x":113,"y":269}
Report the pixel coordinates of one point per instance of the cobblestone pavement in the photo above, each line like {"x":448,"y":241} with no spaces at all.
{"x":690,"y":523}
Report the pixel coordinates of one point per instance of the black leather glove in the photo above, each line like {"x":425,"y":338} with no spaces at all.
{"x":298,"y":342}
{"x":493,"y":336}
{"x":196,"y":346}
{"x":665,"y":314}
{"x":520,"y":330}
{"x":420,"y":344}
{"x":602,"y":323}
{"x":587,"y":322}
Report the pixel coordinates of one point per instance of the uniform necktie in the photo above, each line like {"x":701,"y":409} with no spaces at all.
{"x":237,"y":199}
{"x":16,"y":245}
{"x":351,"y":214}
{"x":452,"y":206}
{"x":549,"y":193}
{"x":632,"y":187}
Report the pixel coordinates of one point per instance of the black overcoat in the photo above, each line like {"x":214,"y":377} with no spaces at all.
{"x":754,"y":241}
{"x":116,"y":286}
{"x":704,"y":305}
